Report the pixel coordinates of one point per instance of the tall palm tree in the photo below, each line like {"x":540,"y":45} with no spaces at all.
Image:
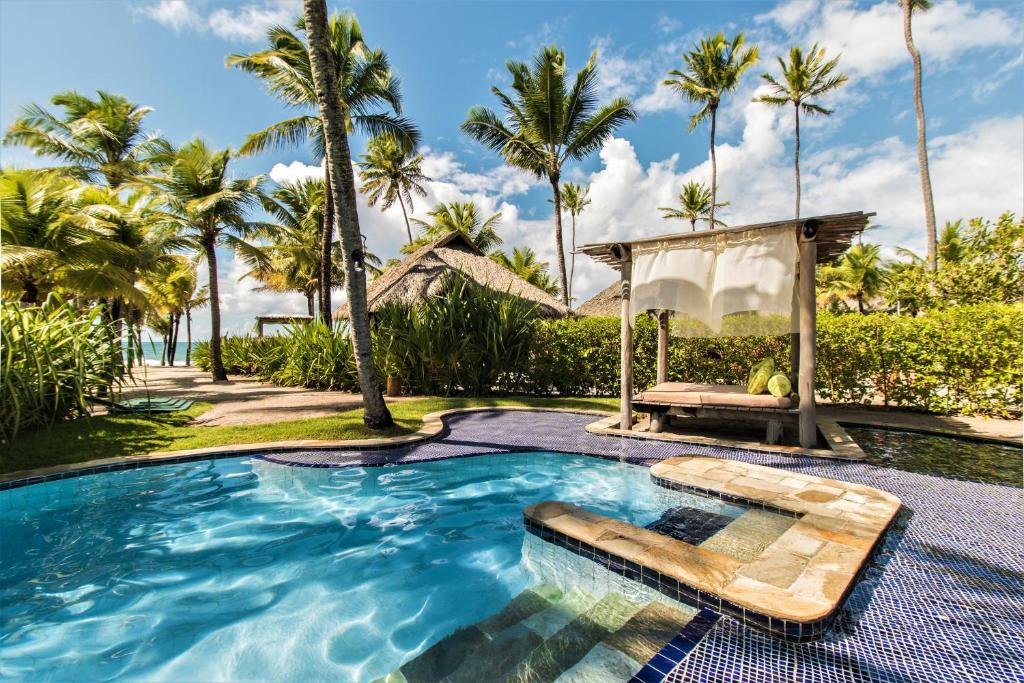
{"x":713,"y":68}
{"x":860,"y":274}
{"x":210,"y":208}
{"x":548,"y":122}
{"x":97,"y":139}
{"x":293,"y":257}
{"x":342,"y":188}
{"x":694,"y":205}
{"x":44,"y":244}
{"x":523,"y":262}
{"x":462,"y":216}
{"x":805,"y":78}
{"x":575,"y":198}
{"x":391,"y":172}
{"x":909,"y":7}
{"x":367,"y":90}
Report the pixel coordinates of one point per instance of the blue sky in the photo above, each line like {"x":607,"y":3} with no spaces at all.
{"x":169,"y":54}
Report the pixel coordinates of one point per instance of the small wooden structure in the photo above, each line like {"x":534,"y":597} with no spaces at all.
{"x":284,"y":319}
{"x":821,"y":239}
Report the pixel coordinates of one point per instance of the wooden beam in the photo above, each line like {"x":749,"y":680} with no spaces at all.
{"x":794,"y":337}
{"x":661,"y":373}
{"x":626,"y":361}
{"x":808,"y":323}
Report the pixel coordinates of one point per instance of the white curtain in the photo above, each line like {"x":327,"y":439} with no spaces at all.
{"x":720,"y":284}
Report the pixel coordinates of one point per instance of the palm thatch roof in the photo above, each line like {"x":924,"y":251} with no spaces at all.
{"x":420,"y":275}
{"x":607,"y":302}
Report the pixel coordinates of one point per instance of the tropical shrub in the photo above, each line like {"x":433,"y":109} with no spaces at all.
{"x":465,"y":337}
{"x":52,"y":360}
{"x":958,"y":360}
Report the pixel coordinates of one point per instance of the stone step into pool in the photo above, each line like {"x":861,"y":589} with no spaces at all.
{"x":783,"y":564}
{"x":545,"y":634}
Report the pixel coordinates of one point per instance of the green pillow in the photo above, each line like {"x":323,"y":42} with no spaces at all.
{"x":759,"y":376}
{"x":779,"y":385}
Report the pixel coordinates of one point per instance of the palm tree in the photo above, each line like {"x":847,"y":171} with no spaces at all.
{"x":389,"y":172}
{"x":524,"y":263}
{"x":713,"y":68}
{"x":293,"y":257}
{"x":909,"y":7}
{"x":694,"y":205}
{"x":342,"y":188}
{"x":367,"y":92}
{"x":860,"y":274}
{"x":172,"y":291}
{"x":101,"y":138}
{"x":575,"y":198}
{"x":804,"y":79}
{"x":548,"y":123}
{"x":461,"y":216}
{"x":45,"y":245}
{"x":210,"y":208}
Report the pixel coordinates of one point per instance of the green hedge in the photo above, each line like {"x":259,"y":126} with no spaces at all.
{"x":963,"y":360}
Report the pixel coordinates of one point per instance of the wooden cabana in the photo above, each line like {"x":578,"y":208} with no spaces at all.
{"x":819,"y":239}
{"x":279,"y":319}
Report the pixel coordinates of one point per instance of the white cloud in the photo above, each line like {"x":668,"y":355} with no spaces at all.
{"x":667,"y":24}
{"x":235,"y":22}
{"x":871,"y":39}
{"x":294,"y":172}
{"x":177,"y":14}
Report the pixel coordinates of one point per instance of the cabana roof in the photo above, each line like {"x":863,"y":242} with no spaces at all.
{"x":606,"y":303}
{"x":835,"y":232}
{"x":420,"y":276}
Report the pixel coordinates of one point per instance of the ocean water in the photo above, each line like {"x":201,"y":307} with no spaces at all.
{"x":153,"y":350}
{"x":242,"y":569}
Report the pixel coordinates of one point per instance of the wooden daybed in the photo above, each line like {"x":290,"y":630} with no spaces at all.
{"x":819,"y":239}
{"x":718,"y":401}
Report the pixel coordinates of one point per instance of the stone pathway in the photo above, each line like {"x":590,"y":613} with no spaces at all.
{"x":242,"y":400}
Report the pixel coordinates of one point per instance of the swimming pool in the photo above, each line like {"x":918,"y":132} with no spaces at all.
{"x":943,"y":456}
{"x":242,"y":569}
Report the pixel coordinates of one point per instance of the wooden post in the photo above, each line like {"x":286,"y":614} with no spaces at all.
{"x":259,"y":327}
{"x":658,"y":419}
{"x":794,"y":337}
{"x":808,"y":323}
{"x":626,"y":364}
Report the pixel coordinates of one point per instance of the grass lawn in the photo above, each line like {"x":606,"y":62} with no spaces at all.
{"x":110,"y":436}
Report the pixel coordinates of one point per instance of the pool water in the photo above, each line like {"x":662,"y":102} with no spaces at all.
{"x":242,"y":569}
{"x":944,"y":456}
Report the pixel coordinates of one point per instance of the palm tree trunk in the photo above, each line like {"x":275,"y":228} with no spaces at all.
{"x":560,"y":251}
{"x":188,"y":337}
{"x":177,"y":330}
{"x":796,"y":155}
{"x":326,"y":239}
{"x":216,"y":359}
{"x":714,"y":170}
{"x":170,"y":339}
{"x":30,"y":292}
{"x":310,"y":306}
{"x":408,"y":228}
{"x":572,"y":254}
{"x":343,"y":192}
{"x":693,"y":225}
{"x":922,"y":145}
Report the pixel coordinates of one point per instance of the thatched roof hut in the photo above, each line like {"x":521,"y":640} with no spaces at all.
{"x":607,"y":302}
{"x":420,"y":275}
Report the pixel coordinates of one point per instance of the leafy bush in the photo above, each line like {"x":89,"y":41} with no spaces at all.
{"x":465,"y":336}
{"x":53,"y":360}
{"x":957,"y":360}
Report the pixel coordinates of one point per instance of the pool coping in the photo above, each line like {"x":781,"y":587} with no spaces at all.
{"x":793,"y":590}
{"x":841,"y":444}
